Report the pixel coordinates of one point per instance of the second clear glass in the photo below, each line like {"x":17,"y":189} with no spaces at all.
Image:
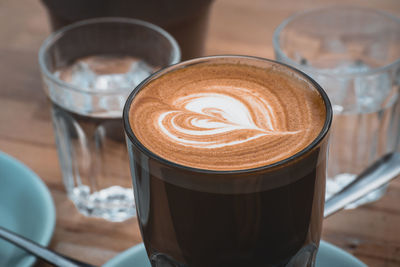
{"x":354,"y":54}
{"x":88,"y":70}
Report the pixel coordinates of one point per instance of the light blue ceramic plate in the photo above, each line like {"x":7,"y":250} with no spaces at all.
{"x":26,"y":207}
{"x":328,"y":256}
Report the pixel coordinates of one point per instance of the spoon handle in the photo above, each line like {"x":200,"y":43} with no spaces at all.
{"x":375,"y":176}
{"x":39,"y":251}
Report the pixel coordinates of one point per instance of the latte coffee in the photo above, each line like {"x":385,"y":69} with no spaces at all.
{"x":228,"y":161}
{"x":226,"y":117}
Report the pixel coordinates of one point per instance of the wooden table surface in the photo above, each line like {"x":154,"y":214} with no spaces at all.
{"x":371,"y":233}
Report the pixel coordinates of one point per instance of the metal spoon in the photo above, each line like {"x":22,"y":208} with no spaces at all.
{"x":375,"y":176}
{"x":40,"y":251}
{"x":378,"y":174}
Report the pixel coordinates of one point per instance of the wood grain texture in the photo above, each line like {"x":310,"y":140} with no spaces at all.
{"x":371,"y":232}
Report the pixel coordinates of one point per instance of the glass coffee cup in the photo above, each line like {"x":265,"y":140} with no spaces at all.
{"x":186,"y":21}
{"x":201,"y":202}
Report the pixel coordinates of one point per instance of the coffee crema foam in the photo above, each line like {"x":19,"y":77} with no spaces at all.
{"x":226,"y":116}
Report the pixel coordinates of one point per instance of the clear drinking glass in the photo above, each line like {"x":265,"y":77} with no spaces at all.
{"x":354,"y":54}
{"x":88,"y":70}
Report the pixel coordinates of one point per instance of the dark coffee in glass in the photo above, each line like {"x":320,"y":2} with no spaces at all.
{"x":228,"y":161}
{"x":186,"y":21}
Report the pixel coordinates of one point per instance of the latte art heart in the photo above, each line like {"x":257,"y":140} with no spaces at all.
{"x":226,"y":117}
{"x":215,"y":120}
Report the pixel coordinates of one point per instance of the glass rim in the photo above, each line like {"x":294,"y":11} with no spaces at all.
{"x":281,"y":27}
{"x":322,"y":134}
{"x":56,"y":35}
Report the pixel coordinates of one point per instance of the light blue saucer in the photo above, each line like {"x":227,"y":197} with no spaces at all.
{"x":328,"y":256}
{"x":26,"y":207}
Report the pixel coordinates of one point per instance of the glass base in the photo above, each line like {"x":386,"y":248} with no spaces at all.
{"x":337,"y":183}
{"x":115,"y":204}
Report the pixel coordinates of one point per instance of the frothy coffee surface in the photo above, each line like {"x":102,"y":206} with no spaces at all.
{"x":226,"y":116}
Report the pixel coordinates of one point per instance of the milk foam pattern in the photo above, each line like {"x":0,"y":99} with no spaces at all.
{"x":215,"y":120}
